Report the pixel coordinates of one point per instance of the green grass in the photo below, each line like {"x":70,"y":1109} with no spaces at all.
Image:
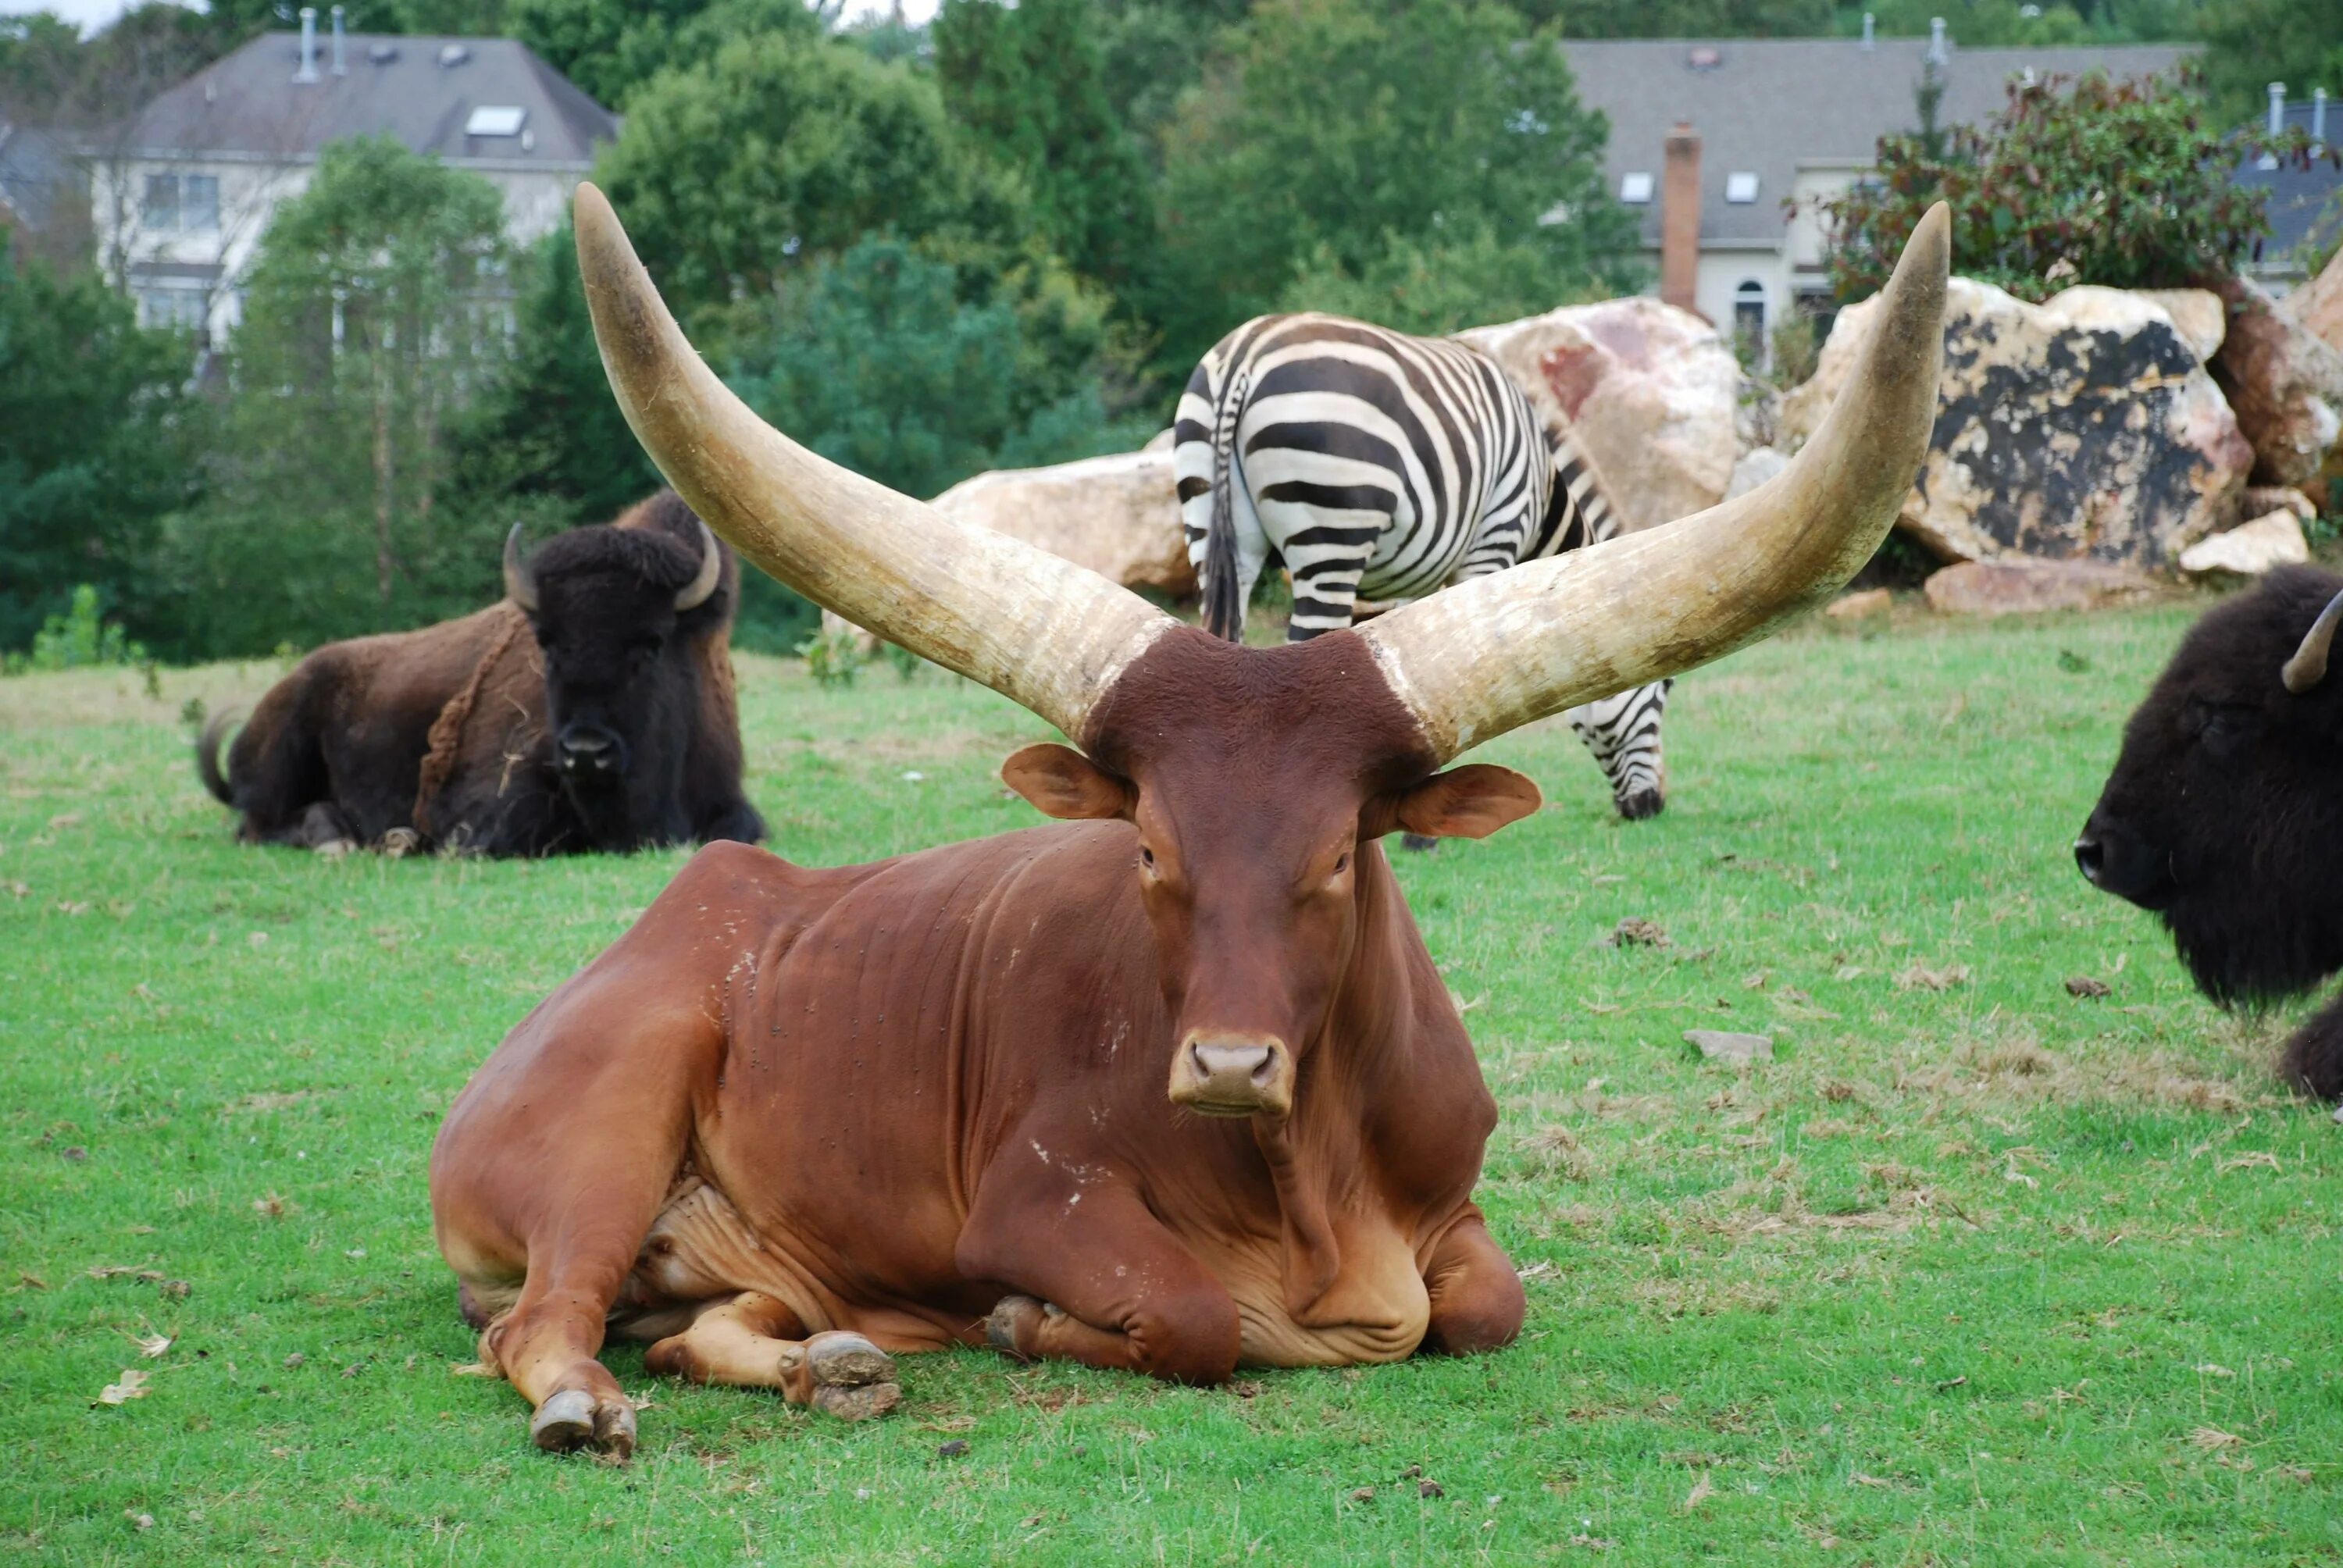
{"x":1978,"y":1271}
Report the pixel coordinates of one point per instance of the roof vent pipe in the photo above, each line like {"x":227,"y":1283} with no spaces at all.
{"x":1866,"y":31}
{"x":341,"y":65}
{"x":1936,"y":52}
{"x":308,"y":71}
{"x":2277,"y":107}
{"x":2319,"y":118}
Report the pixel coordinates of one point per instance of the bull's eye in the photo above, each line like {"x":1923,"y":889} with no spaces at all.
{"x":1147,"y":856}
{"x":1341,"y":862}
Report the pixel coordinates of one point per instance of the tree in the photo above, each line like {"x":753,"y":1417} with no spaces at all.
{"x":2125,"y":184}
{"x":371,"y":317}
{"x":1028,"y":84}
{"x":612,"y":47}
{"x":1340,"y":132}
{"x":2250,"y":43}
{"x":739,"y":173}
{"x":1684,"y":18}
{"x":93,"y":445}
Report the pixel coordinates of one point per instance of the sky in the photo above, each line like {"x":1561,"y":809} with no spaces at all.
{"x":95,"y":13}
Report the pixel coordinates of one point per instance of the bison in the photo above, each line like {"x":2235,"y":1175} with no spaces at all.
{"x":592,"y":709}
{"x":2224,"y":815}
{"x":1170,"y":1085}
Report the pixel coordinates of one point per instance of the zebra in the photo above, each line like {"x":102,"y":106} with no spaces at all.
{"x":1382,"y":468}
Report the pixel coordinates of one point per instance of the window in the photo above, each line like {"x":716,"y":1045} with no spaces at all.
{"x":495,"y":120}
{"x":165,"y":306}
{"x":1741,"y":189}
{"x":1636,"y":189}
{"x":182,"y":203}
{"x":1749,"y":314}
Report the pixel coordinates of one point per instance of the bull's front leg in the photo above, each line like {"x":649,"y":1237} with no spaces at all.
{"x":1477,"y":1300}
{"x":1100,"y":1281}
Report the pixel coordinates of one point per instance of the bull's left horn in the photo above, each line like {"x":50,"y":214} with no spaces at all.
{"x":694,"y":594}
{"x":2308,"y":667}
{"x":520,"y":583}
{"x":1042,"y":631}
{"x":1492,"y":654}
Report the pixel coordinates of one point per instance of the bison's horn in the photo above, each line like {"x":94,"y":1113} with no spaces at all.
{"x":520,"y":583}
{"x":1042,"y":631}
{"x":2308,"y":667}
{"x":694,"y":594}
{"x":1490,"y":655}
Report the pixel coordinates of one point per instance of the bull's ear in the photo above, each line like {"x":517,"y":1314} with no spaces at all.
{"x":1468,"y":802}
{"x":1063,"y":783}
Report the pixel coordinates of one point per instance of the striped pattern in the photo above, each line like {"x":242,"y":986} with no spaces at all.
{"x":1381,"y":467}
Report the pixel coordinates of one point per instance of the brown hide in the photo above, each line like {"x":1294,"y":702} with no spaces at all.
{"x":883,"y":1099}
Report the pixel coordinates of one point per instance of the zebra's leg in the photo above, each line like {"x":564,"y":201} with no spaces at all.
{"x":1327,"y":549}
{"x":1623,"y":734}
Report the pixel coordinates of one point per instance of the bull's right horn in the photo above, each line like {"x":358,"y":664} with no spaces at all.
{"x":2308,"y":667}
{"x":1490,"y":655}
{"x":1042,"y":631}
{"x":520,"y":583}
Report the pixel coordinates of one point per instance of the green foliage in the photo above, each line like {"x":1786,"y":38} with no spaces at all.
{"x":833,"y":657}
{"x":94,"y":448}
{"x":735,"y":174}
{"x":371,"y":318}
{"x":1684,"y":18}
{"x":77,"y":640}
{"x":1443,"y":282}
{"x":879,"y":363}
{"x":2250,"y":43}
{"x":610,"y":48}
{"x":1152,"y":52}
{"x":1339,"y":132}
{"x":1028,"y":86}
{"x":2123,"y":184}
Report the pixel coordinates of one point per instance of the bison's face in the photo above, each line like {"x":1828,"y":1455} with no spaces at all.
{"x":2225,"y":811}
{"x":1256,"y":813}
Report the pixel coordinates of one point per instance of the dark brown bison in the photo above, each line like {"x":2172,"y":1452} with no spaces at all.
{"x":592,"y":709}
{"x":2225,"y":813}
{"x":1169,"y":1085}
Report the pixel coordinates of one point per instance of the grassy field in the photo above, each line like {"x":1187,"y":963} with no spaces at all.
{"x":1976,"y":1272}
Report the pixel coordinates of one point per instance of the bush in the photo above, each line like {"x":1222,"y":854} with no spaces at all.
{"x":78,"y":639}
{"x":2126,"y":184}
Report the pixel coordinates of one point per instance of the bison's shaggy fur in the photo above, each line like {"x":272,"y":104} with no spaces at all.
{"x":2225,"y":813}
{"x":604,"y":720}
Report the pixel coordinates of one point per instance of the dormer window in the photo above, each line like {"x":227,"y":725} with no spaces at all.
{"x":1636,"y":189}
{"x":495,"y":120}
{"x":1741,"y":189}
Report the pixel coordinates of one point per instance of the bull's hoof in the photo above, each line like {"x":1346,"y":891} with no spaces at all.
{"x":853,"y":1379}
{"x":574,"y":1419}
{"x":1642,"y":804}
{"x":1001,"y":1324}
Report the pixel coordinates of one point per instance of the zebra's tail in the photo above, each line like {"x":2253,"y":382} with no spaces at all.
{"x":1224,"y":607}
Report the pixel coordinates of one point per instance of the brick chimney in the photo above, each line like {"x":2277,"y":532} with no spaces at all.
{"x":1680,"y":218}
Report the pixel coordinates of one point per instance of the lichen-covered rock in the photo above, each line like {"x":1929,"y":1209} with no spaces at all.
{"x":2285,"y":384}
{"x":2250,"y":550}
{"x":2085,"y":427}
{"x":1117,"y":515}
{"x":2022,"y":587}
{"x":2317,"y":306}
{"x":1651,"y":390}
{"x":2201,"y":314}
{"x":1756,"y":466}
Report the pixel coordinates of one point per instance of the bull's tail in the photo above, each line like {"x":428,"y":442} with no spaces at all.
{"x":207,"y":748}
{"x":1224,"y":607}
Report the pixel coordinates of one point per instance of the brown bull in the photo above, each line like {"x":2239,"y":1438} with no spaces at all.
{"x":592,"y":709}
{"x":796,"y":1119}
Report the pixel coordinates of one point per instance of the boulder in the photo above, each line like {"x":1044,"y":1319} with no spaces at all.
{"x":2260,"y":500}
{"x":1651,"y":390}
{"x":2317,"y":306}
{"x":2020,"y":587}
{"x":2286,"y":384}
{"x":2200,"y":314}
{"x":1118,"y":515}
{"x":2250,"y":550}
{"x":1756,"y":466}
{"x":1862,"y":605}
{"x":2086,"y":428}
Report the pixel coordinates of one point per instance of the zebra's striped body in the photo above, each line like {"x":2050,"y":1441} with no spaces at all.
{"x":1382,"y":468}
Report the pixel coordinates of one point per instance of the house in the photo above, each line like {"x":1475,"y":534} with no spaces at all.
{"x":2306,"y":212}
{"x":39,"y":180}
{"x":1710,"y":140}
{"x":183,"y":195}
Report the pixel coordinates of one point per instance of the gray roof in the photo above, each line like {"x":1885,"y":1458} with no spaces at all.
{"x":1765,"y":105}
{"x":36,"y":171}
{"x":421,"y":90}
{"x":2300,"y":197}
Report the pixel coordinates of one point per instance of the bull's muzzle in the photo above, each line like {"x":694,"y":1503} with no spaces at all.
{"x":588,"y":751}
{"x":1223,"y":1074}
{"x":2114,"y":861}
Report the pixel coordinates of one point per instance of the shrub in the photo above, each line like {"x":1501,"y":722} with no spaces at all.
{"x":79,"y":639}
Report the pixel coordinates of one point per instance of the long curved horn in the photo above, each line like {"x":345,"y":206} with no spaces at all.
{"x":1491,"y":655}
{"x":1046,"y":634}
{"x":694,"y":594}
{"x":2308,"y":667}
{"x":520,"y":583}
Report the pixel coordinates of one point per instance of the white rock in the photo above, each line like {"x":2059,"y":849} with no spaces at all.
{"x":1117,"y":515}
{"x":2250,"y":550}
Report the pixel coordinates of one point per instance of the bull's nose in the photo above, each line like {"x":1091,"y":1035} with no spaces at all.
{"x":588,"y":749}
{"x":1221,"y":1074}
{"x":2090,"y":859}
{"x":1245,"y":1063}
